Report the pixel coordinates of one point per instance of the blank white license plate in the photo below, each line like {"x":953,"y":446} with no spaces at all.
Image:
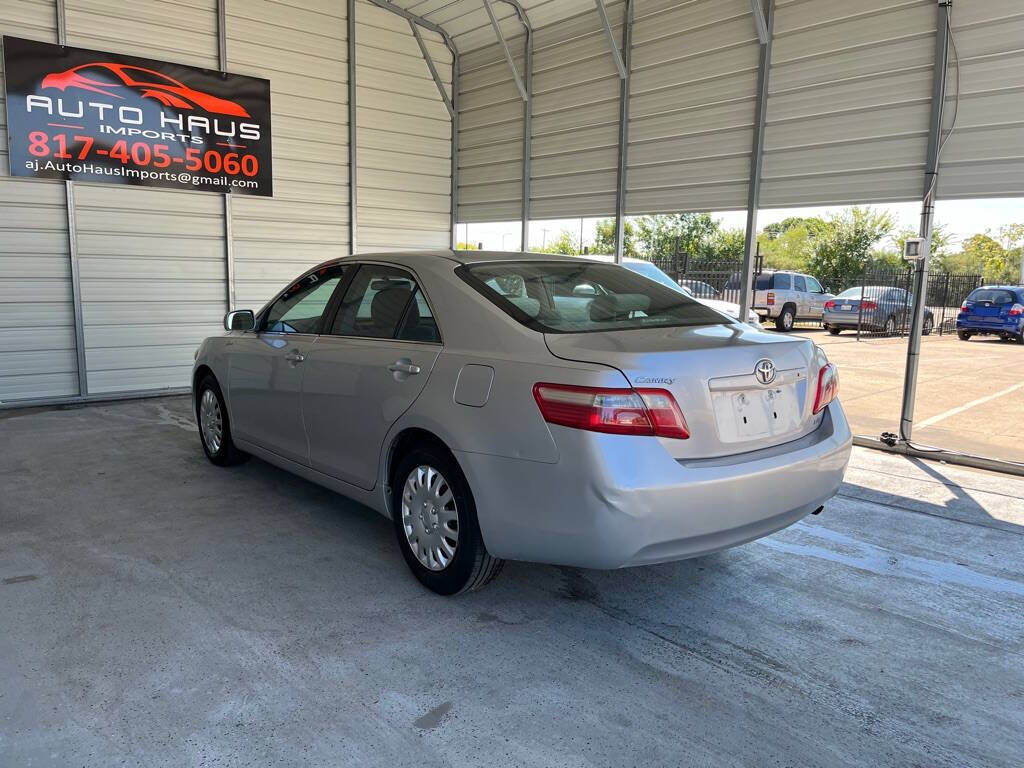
{"x":756,"y":413}
{"x":846,"y":307}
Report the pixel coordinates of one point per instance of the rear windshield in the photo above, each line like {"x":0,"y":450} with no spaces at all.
{"x":870,"y":292}
{"x":563,"y":297}
{"x":993,"y":295}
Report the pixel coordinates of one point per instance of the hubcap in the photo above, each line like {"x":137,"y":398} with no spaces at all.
{"x":210,"y":422}
{"x":429,"y":518}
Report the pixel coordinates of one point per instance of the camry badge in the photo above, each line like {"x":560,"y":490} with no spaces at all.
{"x":764,"y":370}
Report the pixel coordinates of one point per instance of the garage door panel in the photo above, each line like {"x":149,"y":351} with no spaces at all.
{"x":491,"y":211}
{"x":861,"y":124}
{"x":892,"y":57}
{"x":575,"y":162}
{"x":37,"y":386}
{"x":709,"y":171}
{"x":704,"y":145}
{"x":491,"y":173}
{"x":503,"y":152}
{"x":138,"y":379}
{"x":875,"y":186}
{"x":599,"y":181}
{"x":603,"y":113}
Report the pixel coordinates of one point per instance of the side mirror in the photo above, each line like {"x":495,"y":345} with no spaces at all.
{"x":240,"y":320}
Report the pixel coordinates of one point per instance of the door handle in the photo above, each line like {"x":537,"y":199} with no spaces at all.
{"x":404,"y":366}
{"x":295,"y":357}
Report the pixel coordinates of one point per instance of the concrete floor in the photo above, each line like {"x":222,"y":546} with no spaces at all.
{"x":158,"y":611}
{"x":970,"y":394}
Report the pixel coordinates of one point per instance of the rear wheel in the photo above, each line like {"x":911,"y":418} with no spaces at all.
{"x":964,"y":335}
{"x":833,"y":330}
{"x":929,"y":324}
{"x":436,"y":523}
{"x":784,"y":322}
{"x":889,"y":329}
{"x":214,"y":425}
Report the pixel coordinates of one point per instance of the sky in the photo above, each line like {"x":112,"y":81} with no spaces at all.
{"x":962,"y":218}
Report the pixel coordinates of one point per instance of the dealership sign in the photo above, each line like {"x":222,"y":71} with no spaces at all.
{"x":101,"y":117}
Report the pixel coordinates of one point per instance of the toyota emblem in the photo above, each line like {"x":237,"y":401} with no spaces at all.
{"x":765,"y":371}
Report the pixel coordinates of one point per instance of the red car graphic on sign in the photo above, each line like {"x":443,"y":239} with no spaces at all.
{"x":97,"y":76}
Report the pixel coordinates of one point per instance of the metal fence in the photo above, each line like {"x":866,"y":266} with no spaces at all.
{"x":877,"y":302}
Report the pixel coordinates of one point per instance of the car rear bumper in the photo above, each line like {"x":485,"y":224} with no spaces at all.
{"x":613,"y":501}
{"x":994,"y":326}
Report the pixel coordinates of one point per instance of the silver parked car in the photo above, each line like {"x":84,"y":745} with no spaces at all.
{"x":527,"y":407}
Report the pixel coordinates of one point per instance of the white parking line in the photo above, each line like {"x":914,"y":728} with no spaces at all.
{"x":966,"y":406}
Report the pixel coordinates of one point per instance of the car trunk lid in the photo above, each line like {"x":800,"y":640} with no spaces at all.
{"x":710,"y":370}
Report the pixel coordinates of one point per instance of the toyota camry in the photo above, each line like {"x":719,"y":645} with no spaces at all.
{"x":532,"y":407}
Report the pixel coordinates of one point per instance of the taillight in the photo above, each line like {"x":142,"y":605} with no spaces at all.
{"x":828,"y":387}
{"x":618,"y":411}
{"x":869,"y":305}
{"x":963,"y":307}
{"x":771,"y":299}
{"x":1016,"y":310}
{"x":830,"y":305}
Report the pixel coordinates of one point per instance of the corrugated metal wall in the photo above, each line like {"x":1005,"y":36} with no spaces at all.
{"x":37,"y":334}
{"x":404,"y":136}
{"x":153,"y":277}
{"x":490,"y":134}
{"x":693,"y":98}
{"x":985,"y":153}
{"x":303,"y":52}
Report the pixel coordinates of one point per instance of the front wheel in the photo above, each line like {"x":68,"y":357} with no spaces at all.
{"x":964,"y":335}
{"x":436,"y":523}
{"x":929,"y":324}
{"x":890,"y":326}
{"x":215,"y":426}
{"x":833,"y":330}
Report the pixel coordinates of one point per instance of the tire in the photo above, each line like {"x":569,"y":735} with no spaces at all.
{"x":929,"y":324}
{"x":217,"y":443}
{"x":889,"y":329}
{"x":784,"y":322}
{"x":964,"y":335}
{"x":417,"y":497}
{"x":834,"y":331}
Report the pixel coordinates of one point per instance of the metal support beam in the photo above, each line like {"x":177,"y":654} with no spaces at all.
{"x":433,"y":70}
{"x":528,"y":140}
{"x":76,"y":274}
{"x":619,"y":63}
{"x":353,"y":206}
{"x":620,"y":190}
{"x":453,"y":110}
{"x":931,"y":178}
{"x":756,"y":160}
{"x":229,"y":252}
{"x":508,"y":54}
{"x":760,"y":21}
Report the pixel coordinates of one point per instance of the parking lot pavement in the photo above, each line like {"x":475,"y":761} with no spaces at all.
{"x":156,"y":610}
{"x":970,"y":394}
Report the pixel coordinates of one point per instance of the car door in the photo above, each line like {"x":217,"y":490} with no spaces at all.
{"x":800,"y":298}
{"x":265,"y":366}
{"x":365,"y":371}
{"x":816,"y":297}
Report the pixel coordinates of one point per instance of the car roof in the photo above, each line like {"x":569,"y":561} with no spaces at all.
{"x":461,"y":257}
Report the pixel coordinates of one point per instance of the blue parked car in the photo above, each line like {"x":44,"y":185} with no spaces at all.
{"x":995,"y":309}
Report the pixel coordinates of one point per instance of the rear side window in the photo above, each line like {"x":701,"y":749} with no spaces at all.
{"x":583,"y":297}
{"x":384,"y":302}
{"x":993,"y":295}
{"x":782,"y":283}
{"x":799,"y":284}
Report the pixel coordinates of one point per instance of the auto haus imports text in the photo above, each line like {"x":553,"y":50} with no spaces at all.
{"x":68,"y":146}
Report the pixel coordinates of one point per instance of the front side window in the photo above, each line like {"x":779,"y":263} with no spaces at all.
{"x":813,"y":285}
{"x":384,"y":302}
{"x":567,"y":297}
{"x":299,"y":309}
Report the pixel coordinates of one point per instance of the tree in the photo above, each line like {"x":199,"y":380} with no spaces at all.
{"x":988,"y":257}
{"x":565,"y":243}
{"x":657,"y":234}
{"x":941,"y":242}
{"x":789,"y":244}
{"x":604,"y":238}
{"x":843,"y":247}
{"x":728,"y":244}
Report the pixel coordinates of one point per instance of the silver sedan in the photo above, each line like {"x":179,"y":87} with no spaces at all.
{"x":530,"y":407}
